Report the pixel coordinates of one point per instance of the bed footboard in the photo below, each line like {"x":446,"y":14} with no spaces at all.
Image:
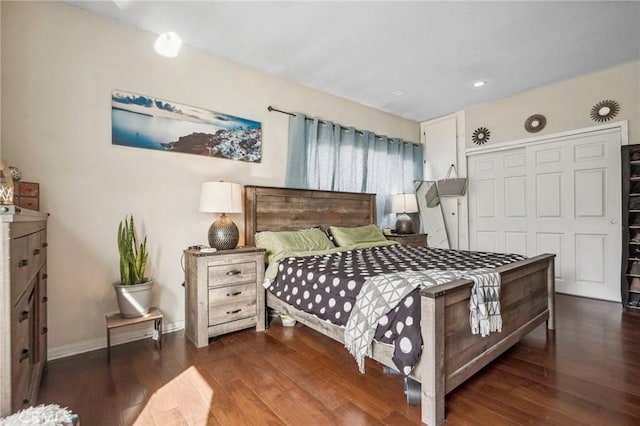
{"x":451,"y":354}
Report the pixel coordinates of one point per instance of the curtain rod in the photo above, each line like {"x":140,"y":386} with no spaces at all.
{"x":270,"y":109}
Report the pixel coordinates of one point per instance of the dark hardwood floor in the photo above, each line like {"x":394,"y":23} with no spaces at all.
{"x":587,"y":372}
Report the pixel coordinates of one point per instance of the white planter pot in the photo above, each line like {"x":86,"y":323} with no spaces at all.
{"x":134,"y":300}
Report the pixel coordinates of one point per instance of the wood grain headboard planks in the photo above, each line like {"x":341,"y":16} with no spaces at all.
{"x":287,"y":209}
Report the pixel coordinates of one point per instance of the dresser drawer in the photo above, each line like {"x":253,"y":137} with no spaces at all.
{"x":35,"y":250}
{"x":19,"y":267}
{"x":232,"y":311}
{"x":223,"y":275}
{"x":21,"y":348}
{"x":41,"y":328}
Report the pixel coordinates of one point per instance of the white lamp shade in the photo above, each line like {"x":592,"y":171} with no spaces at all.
{"x":404,"y":203}
{"x":221,"y":197}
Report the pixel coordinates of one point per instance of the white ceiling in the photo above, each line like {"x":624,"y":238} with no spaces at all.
{"x":431,"y":51}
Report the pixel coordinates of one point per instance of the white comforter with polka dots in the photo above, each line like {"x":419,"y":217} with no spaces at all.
{"x":327,"y":285}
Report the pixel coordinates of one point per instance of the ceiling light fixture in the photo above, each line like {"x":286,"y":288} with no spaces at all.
{"x":168,"y":44}
{"x":479,"y":83}
{"x":398,"y":93}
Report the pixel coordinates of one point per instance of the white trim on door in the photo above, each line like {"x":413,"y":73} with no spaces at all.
{"x":622,"y":125}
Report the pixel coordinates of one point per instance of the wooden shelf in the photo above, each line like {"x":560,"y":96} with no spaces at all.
{"x":630,"y":174}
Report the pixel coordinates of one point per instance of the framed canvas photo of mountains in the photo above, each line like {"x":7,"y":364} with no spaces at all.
{"x":147,"y":122}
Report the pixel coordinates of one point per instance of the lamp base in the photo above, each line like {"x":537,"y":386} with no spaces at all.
{"x":223,"y":234}
{"x":404,"y":224}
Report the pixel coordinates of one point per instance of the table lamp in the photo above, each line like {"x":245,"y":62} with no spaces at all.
{"x":403,"y":204}
{"x":222,"y":197}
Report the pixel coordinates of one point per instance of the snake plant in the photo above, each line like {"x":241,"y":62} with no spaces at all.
{"x":133,"y":256}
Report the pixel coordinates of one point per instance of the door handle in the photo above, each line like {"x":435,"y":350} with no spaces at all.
{"x":613,"y":221}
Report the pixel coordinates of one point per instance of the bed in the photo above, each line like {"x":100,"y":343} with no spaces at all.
{"x":451,"y":354}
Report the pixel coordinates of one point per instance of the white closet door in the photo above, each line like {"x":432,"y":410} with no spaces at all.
{"x":560,"y":196}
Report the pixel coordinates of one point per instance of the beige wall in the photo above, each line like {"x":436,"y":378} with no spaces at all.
{"x":0,"y":79}
{"x":59,"y":66}
{"x":566,"y":105}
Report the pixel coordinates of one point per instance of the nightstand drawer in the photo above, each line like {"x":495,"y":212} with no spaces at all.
{"x":232,"y":311}
{"x":232,"y":294}
{"x":223,"y":275}
{"x":228,"y":327}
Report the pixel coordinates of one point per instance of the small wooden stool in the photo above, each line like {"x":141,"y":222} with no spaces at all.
{"x":116,"y":320}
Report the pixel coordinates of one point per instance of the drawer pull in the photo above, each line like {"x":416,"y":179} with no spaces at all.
{"x":45,"y":245}
{"x":45,"y":276}
{"x":234,"y":272}
{"x":36,"y":252}
{"x":24,"y":315}
{"x":24,"y":354}
{"x":233,"y":312}
{"x":22,"y":263}
{"x":235,"y":293}
{"x":45,"y":330}
{"x":44,"y":299}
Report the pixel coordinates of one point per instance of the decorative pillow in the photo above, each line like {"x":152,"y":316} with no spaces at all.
{"x":361,"y":234}
{"x":305,"y":240}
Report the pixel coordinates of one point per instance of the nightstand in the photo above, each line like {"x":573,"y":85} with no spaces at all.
{"x":413,"y":240}
{"x":224,"y":292}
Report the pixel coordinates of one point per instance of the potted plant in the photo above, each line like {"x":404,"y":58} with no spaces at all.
{"x":133,"y":292}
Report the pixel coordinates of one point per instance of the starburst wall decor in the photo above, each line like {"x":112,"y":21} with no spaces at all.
{"x":605,"y":110}
{"x":480,"y":135}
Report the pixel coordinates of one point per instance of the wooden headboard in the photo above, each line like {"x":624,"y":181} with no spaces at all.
{"x":286,"y":209}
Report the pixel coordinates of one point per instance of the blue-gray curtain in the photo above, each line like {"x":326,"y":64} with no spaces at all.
{"x":330,"y":157}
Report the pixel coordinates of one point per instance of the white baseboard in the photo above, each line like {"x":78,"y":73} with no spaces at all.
{"x":117,"y":338}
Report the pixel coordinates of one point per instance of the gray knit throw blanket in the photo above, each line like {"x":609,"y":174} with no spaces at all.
{"x":382,"y":293}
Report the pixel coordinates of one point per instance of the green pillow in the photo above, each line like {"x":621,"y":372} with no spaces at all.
{"x":305,"y":240}
{"x":361,"y":234}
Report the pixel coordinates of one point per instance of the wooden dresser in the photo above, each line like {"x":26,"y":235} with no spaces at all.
{"x":224,"y":292}
{"x":23,"y":306}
